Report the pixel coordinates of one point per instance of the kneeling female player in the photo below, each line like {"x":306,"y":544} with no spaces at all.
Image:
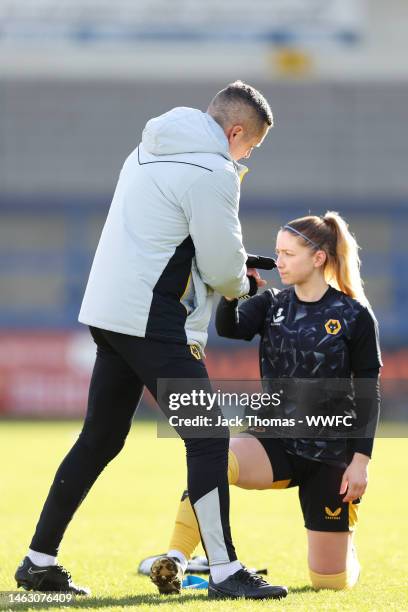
{"x":320,"y":327}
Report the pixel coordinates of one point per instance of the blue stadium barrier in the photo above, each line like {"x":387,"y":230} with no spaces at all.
{"x":81,"y":218}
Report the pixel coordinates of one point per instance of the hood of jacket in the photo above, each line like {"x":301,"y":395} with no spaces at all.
{"x":184,"y":130}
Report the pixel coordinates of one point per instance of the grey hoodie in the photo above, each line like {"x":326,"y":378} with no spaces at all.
{"x":172,"y":235}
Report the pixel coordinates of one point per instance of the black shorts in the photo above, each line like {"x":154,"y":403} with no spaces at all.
{"x":319,"y":484}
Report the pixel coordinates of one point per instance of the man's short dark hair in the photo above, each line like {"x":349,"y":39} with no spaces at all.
{"x":226,"y":102}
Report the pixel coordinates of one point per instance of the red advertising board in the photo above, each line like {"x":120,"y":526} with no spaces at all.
{"x":46,"y":374}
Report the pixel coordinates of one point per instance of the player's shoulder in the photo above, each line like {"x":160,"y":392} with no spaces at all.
{"x":262,"y":299}
{"x":346,"y":300}
{"x":355,"y":308}
{"x":275,"y":296}
{"x":281,"y":295}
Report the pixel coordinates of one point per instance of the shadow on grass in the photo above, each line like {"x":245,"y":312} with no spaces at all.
{"x":91,"y":603}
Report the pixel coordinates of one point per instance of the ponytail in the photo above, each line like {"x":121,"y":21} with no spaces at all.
{"x":331,"y":234}
{"x":344,"y":268}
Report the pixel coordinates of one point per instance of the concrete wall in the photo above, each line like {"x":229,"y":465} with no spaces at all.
{"x":331,"y":140}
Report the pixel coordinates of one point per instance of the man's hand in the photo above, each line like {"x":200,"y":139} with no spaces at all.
{"x":259,"y":281}
{"x":355,"y":478}
{"x":254,"y":272}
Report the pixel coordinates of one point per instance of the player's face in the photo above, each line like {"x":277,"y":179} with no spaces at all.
{"x":296,"y":263}
{"x":241,"y":145}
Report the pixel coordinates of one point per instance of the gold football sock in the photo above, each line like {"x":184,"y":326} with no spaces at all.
{"x":186,"y":535}
{"x":344,"y":580}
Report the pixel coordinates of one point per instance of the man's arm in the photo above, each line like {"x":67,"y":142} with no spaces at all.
{"x":211,"y":207}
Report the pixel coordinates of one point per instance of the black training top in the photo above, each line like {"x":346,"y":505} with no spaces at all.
{"x":334,"y":337}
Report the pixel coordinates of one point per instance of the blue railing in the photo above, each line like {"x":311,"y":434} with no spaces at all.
{"x":41,"y":286}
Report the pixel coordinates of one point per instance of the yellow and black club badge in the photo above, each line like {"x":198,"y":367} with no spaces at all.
{"x":333,"y":326}
{"x":195,"y":351}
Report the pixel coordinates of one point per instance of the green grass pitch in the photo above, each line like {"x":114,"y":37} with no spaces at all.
{"x":129,"y":514}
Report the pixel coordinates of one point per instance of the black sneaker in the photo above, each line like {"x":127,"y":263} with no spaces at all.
{"x":51,"y":578}
{"x":246,"y":585}
{"x":167,"y":574}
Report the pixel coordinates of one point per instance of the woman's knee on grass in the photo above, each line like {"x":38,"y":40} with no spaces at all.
{"x":332,"y":560}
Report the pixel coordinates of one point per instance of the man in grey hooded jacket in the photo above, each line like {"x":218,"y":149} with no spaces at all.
{"x":172,"y":237}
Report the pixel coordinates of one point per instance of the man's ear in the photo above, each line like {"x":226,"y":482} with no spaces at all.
{"x":320,"y":258}
{"x":235,"y":131}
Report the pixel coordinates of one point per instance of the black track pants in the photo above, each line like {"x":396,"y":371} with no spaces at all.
{"x":124,"y":365}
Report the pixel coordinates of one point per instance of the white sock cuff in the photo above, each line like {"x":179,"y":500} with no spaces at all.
{"x":41,"y":559}
{"x":222,"y":571}
{"x":179,"y":555}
